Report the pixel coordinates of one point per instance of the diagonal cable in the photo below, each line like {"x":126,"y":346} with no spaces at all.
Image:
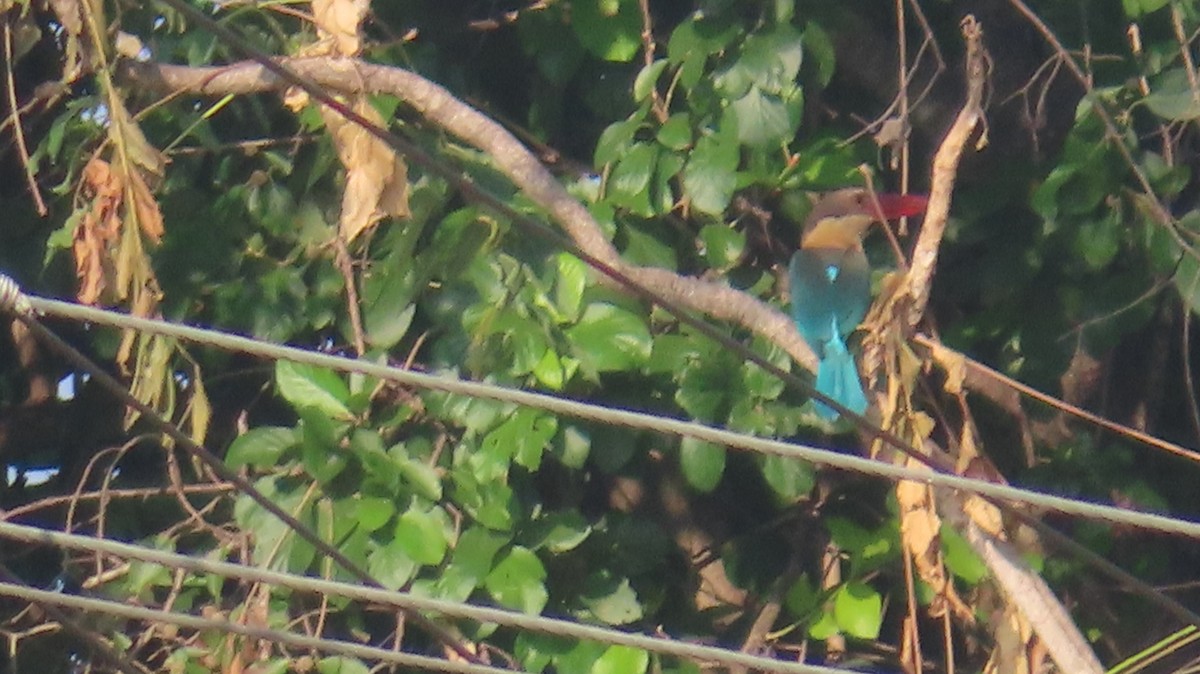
{"x":22,"y":306}
{"x":690,"y":651}
{"x":591,"y":412}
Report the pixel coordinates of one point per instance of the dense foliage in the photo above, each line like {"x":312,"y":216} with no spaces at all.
{"x":1060,"y":268}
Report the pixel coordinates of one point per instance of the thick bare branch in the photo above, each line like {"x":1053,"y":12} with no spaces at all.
{"x":945,"y":171}
{"x":440,"y":107}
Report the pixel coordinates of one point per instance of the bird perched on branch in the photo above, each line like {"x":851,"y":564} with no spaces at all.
{"x":831,"y":284}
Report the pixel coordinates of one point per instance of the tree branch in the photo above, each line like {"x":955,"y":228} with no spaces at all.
{"x":945,"y":172}
{"x":440,"y":107}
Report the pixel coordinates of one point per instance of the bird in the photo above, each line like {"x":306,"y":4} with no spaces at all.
{"x":831,"y":285}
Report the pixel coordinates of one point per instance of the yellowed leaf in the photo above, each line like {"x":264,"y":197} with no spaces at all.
{"x":338,"y":20}
{"x":1016,"y":647}
{"x":955,"y":365}
{"x":200,"y":408}
{"x":376,"y":177}
{"x":145,"y":305}
{"x":126,"y":134}
{"x":295,"y":99}
{"x":152,"y":382}
{"x":149,"y":217}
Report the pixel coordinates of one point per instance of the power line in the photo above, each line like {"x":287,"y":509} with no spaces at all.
{"x":14,"y":301}
{"x":1095,"y":511}
{"x":114,"y":608}
{"x":407,"y":601}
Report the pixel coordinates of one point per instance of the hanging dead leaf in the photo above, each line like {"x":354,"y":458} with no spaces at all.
{"x":338,"y":21}
{"x":149,"y":217}
{"x":70,"y":16}
{"x":98,"y":231}
{"x":376,"y":177}
{"x":145,"y":305}
{"x":1017,"y":648}
{"x":126,"y":134}
{"x":199,"y":407}
{"x":920,"y":528}
{"x":295,"y":99}
{"x":955,"y":365}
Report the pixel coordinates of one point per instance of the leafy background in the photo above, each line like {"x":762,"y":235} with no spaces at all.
{"x":1057,"y":270}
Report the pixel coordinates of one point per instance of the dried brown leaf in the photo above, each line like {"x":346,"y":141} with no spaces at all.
{"x":955,"y":365}
{"x":126,"y":134}
{"x":1015,"y":645}
{"x":98,"y":231}
{"x":376,"y":177}
{"x":149,"y":217}
{"x":338,"y":21}
{"x":199,"y":408}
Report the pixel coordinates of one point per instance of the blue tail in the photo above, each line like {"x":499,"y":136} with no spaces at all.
{"x":837,"y":377}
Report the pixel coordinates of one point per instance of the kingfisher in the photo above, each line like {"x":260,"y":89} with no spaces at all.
{"x":831,"y":284}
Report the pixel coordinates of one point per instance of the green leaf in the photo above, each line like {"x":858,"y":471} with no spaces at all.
{"x":610,"y":29}
{"x":1099,"y":239}
{"x":824,"y":627}
{"x":572,"y":446}
{"x":703,"y":463}
{"x":582,"y":656}
{"x":1137,"y":8}
{"x":320,"y":446}
{"x":647,"y":78}
{"x":764,"y":119}
{"x":609,"y":338}
{"x":612,"y":600}
{"x":421,"y":477}
{"x":769,"y":60}
{"x":374,"y":511}
{"x":380,"y":469}
{"x":476,"y":549}
{"x":676,"y":132}
{"x":961,"y":558}
{"x":858,"y":610}
{"x":820,"y":48}
{"x":1172,"y":97}
{"x":521,"y":438}
{"x":517,"y":581}
{"x":387,"y":304}
{"x":341,"y":665}
{"x":615,"y":141}
{"x":622,"y":660}
{"x":260,"y":447}
{"x":644,"y":245}
{"x":790,"y":479}
{"x":802,"y":599}
{"x":550,"y":371}
{"x":1187,"y":271}
{"x":490,"y":502}
{"x":557,"y":532}
{"x":723,"y":245}
{"x":421,"y":535}
{"x":305,"y":386}
{"x":711,"y":173}
{"x":569,"y":284}
{"x":629,"y":185}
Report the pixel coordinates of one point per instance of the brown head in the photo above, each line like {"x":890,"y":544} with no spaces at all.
{"x":839,"y":219}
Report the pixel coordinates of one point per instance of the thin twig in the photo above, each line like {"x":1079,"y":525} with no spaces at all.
{"x":1159,"y":210}
{"x":346,"y":266}
{"x":1067,"y":407}
{"x":18,"y":132}
{"x":648,"y":48}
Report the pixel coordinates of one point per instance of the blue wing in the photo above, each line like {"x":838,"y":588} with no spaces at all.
{"x":831,"y":291}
